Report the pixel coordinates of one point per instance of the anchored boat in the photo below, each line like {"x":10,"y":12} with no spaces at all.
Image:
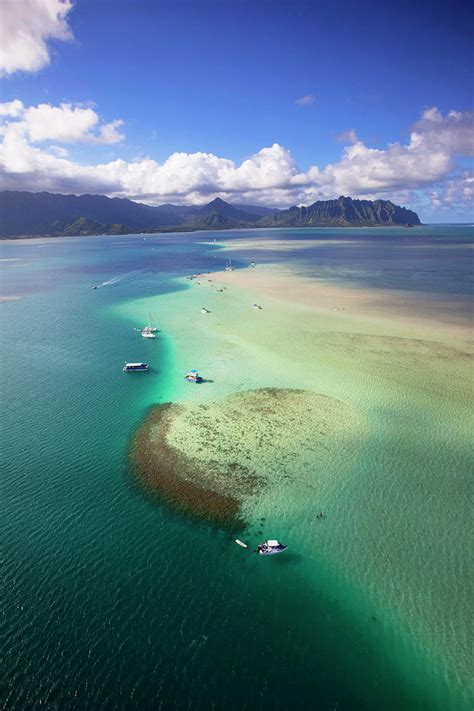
{"x":271,"y":547}
{"x":193,"y":376}
{"x":151,"y":328}
{"x":135,"y":367}
{"x":147,"y":334}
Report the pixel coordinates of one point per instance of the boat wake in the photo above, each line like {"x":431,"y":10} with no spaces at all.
{"x":122,"y":277}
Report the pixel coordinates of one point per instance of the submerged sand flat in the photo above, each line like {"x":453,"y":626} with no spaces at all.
{"x":382,"y":307}
{"x":276,"y":245}
{"x":394,"y":480}
{"x":210,"y":458}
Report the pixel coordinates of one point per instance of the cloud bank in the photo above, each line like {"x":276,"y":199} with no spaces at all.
{"x":33,"y":157}
{"x":25,"y":28}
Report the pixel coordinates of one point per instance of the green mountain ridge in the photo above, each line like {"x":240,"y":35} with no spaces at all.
{"x":25,"y":214}
{"x":344,"y":212}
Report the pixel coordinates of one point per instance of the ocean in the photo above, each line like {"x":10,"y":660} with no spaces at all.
{"x":114,"y":599}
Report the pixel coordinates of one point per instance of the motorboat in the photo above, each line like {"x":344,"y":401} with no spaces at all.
{"x":193,"y":376}
{"x":271,"y":547}
{"x":204,"y":310}
{"x":147,"y":334}
{"x":135,"y":367}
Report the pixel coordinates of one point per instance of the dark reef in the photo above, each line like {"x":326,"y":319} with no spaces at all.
{"x":175,"y":478}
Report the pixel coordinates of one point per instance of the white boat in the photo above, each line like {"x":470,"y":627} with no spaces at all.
{"x":229,"y":267}
{"x":151,"y":328}
{"x":135,"y":367}
{"x":148,"y":334}
{"x":271,"y":547}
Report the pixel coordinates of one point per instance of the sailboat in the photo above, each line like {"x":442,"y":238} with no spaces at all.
{"x":150,"y":330}
{"x":148,"y":334}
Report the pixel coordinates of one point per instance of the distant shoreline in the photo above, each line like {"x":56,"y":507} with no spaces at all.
{"x":15,"y":238}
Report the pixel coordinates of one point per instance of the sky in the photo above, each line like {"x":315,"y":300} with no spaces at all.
{"x":258,"y":102}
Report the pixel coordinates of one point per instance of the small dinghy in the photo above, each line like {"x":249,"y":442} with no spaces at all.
{"x":271,"y":547}
{"x":241,"y":543}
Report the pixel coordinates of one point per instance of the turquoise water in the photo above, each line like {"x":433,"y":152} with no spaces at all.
{"x":115,"y":601}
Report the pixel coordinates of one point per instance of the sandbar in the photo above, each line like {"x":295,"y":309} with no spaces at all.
{"x":208,"y":459}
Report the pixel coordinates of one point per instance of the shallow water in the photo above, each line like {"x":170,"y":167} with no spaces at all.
{"x":115,"y":600}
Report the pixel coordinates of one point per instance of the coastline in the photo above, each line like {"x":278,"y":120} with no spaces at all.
{"x":176,"y":230}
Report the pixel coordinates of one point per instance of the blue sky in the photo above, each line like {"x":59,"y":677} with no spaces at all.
{"x":340,"y":88}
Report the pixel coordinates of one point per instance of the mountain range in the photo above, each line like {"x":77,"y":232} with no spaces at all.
{"x":46,"y":214}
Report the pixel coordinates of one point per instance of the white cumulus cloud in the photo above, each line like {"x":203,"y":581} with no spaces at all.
{"x":26,"y":26}
{"x":455,"y":194}
{"x":11,"y":108}
{"x":30,"y":160}
{"x":64,"y":123}
{"x":453,"y":133}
